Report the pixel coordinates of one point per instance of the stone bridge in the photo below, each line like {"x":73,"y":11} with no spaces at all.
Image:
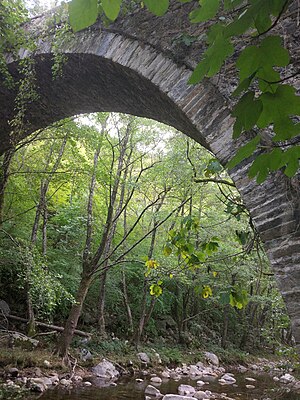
{"x":140,"y":65}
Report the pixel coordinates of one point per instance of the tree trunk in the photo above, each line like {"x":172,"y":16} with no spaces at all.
{"x":71,"y":323}
{"x":4,"y":175}
{"x":101,"y":305}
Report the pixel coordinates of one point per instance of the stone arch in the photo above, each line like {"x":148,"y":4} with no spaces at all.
{"x":111,"y":71}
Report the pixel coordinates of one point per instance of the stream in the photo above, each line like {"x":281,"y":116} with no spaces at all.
{"x":129,"y":389}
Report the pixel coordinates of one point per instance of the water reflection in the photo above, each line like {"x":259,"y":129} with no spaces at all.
{"x":128,"y":388}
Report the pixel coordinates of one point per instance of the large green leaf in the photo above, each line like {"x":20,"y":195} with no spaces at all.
{"x":247,"y":112}
{"x":220,"y":48}
{"x":82,"y":13}
{"x":260,"y":60}
{"x":111,"y":8}
{"x":244,"y":152}
{"x":207,"y":10}
{"x":157,"y":7}
{"x":277,"y":109}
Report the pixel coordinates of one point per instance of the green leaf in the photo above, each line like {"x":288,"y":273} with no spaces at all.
{"x":82,"y":13}
{"x":157,"y":7}
{"x":277,"y":109}
{"x":291,"y":158}
{"x":260,"y":60}
{"x":207,"y":10}
{"x":220,"y":48}
{"x":111,"y":8}
{"x":244,"y":152}
{"x":247,"y":112}
{"x":167,"y":250}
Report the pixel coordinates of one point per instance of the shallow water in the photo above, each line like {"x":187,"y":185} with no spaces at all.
{"x":128,"y":388}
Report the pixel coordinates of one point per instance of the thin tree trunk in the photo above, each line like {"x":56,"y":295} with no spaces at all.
{"x":4,"y":175}
{"x":71,"y":323}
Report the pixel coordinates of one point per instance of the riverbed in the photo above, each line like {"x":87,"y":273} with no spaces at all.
{"x":129,"y":389}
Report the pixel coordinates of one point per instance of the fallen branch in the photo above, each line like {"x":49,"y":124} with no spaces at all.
{"x":53,"y":327}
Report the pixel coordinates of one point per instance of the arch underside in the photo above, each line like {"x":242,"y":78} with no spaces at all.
{"x":111,"y":73}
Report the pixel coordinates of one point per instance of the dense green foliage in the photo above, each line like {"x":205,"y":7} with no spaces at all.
{"x":199,"y":274}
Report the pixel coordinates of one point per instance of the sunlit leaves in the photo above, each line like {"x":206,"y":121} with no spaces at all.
{"x":206,"y":292}
{"x":157,"y":7}
{"x":207,"y":10}
{"x":82,"y":13}
{"x":238,"y":298}
{"x":150,"y":265}
{"x":156,"y":289}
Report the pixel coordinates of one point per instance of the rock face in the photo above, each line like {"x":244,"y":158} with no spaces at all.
{"x":106,"y":370}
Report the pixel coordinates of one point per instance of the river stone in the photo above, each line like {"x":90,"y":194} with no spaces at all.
{"x":65,"y":382}
{"x":106,"y":370}
{"x":152,"y":391}
{"x":250,"y":379}
{"x":200,"y":395}
{"x":87,"y":383}
{"x":186,"y":390}
{"x":200,"y":383}
{"x":227,"y":379}
{"x":250,"y":386}
{"x":177,"y":397}
{"x":156,"y":379}
{"x":194,"y":371}
{"x":165,"y":374}
{"x":13,"y":372}
{"x":144,"y":357}
{"x":286,"y":378}
{"x":212,"y":358}
{"x":42,"y":380}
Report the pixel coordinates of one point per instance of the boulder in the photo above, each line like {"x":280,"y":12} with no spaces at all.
{"x":42,"y":380}
{"x":286,"y":378}
{"x":165,"y":374}
{"x":200,"y":395}
{"x":106,"y":370}
{"x":194,"y":371}
{"x":212,"y":358}
{"x":227,"y":379}
{"x":177,"y":397}
{"x":156,"y":379}
{"x":186,"y":390}
{"x":65,"y":382}
{"x":144,"y":357}
{"x":152,"y":391}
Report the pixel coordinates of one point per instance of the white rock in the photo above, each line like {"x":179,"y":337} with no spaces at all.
{"x":186,"y":390}
{"x":106,"y":370}
{"x":200,"y":395}
{"x":87,"y":383}
{"x":177,"y":397}
{"x":65,"y":382}
{"x":250,"y":386}
{"x":200,"y":383}
{"x":152,"y":391}
{"x":47,"y":364}
{"x":227,"y":379}
{"x":286,"y":378}
{"x":144,"y":357}
{"x":139,"y":380}
{"x":275,"y":379}
{"x":250,"y":379}
{"x":165,"y":374}
{"x":156,"y":379}
{"x":212,"y":358}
